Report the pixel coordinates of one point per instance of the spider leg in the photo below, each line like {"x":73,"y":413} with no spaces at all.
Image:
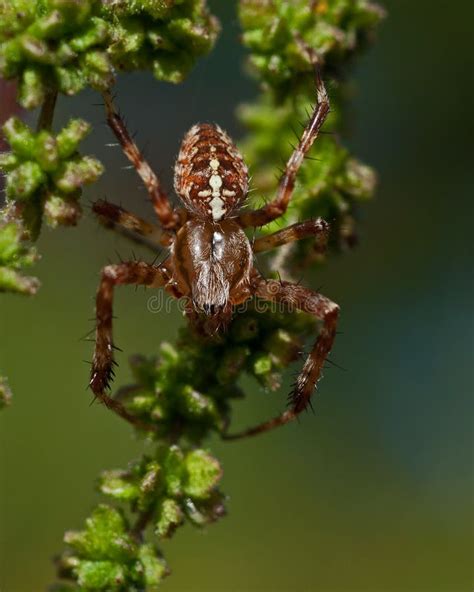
{"x":317,"y":228}
{"x":130,"y":225}
{"x":102,"y":371}
{"x":322,"y":308}
{"x":278,"y":206}
{"x":168,"y":218}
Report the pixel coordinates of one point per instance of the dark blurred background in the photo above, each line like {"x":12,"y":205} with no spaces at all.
{"x":372,"y":493}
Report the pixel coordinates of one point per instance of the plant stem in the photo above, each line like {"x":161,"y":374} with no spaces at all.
{"x":120,"y":410}
{"x":45,"y":119}
{"x":140,"y":525}
{"x":281,"y":420}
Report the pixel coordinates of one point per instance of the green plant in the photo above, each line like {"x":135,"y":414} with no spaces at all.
{"x":185,"y":393}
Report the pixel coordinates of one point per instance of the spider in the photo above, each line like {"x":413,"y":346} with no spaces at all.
{"x":211,"y":259}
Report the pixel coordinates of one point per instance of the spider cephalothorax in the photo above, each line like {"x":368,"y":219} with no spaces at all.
{"x":210,"y":262}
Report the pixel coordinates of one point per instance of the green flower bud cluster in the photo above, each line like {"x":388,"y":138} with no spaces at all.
{"x":189,"y":389}
{"x":333,"y":28}
{"x":107,"y":556}
{"x":174,"y":486}
{"x":14,"y":255}
{"x":66,"y":45}
{"x":5,"y":393}
{"x":330,"y":183}
{"x":47,"y":172}
{"x":165,"y":36}
{"x":53,"y":45}
{"x":285,"y":38}
{"x":163,"y":491}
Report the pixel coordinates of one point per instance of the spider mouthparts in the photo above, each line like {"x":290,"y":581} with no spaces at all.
{"x":210,"y":309}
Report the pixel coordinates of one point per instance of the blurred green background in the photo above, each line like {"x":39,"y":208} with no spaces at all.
{"x":372,"y":493}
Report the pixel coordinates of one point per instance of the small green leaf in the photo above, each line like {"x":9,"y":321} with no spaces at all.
{"x":20,"y":137}
{"x":36,"y":49}
{"x":195,"y":405}
{"x":262,"y":365}
{"x":173,"y":469}
{"x":70,"y":79}
{"x":105,"y":537}
{"x":119,"y":485}
{"x":13,"y":281}
{"x":96,"y":33}
{"x":101,"y":575}
{"x":203,"y":512}
{"x":60,"y":210}
{"x":23,"y":182}
{"x":154,"y":566}
{"x":73,"y":174}
{"x":203,"y":472}
{"x":46,"y":151}
{"x":150,"y":479}
{"x":32,"y":89}
{"x":169,"y":517}
{"x":49,"y":26}
{"x":8,"y":161}
{"x":71,"y":136}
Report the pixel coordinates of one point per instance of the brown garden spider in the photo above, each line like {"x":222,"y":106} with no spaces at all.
{"x":210,"y":262}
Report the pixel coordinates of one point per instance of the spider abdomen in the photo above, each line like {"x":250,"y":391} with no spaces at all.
{"x":211,"y":177}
